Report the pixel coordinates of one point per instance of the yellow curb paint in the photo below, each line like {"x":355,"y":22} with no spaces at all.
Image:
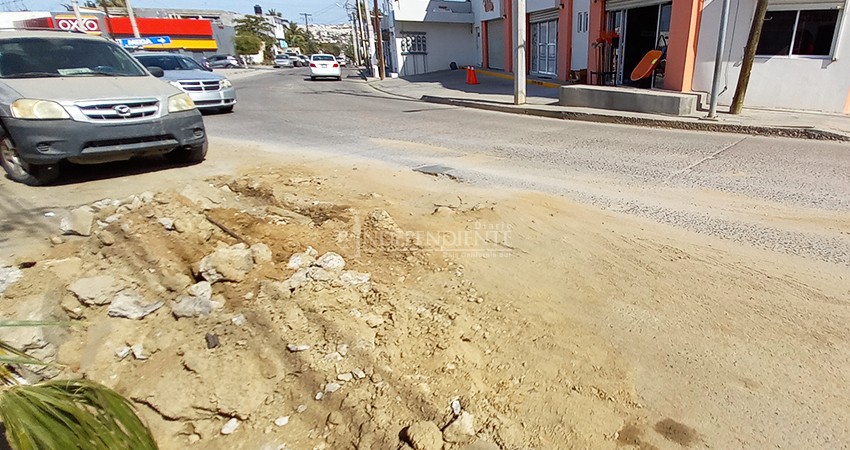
{"x":506,"y":76}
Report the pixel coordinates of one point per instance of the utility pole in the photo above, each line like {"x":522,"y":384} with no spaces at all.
{"x":379,"y":36}
{"x":718,"y":60}
{"x":370,"y":30}
{"x":132,"y":19}
{"x":361,"y":35}
{"x":354,"y":44}
{"x":307,"y":25}
{"x":749,"y":57}
{"x":519,"y":52}
{"x":80,"y":24}
{"x":106,"y":19}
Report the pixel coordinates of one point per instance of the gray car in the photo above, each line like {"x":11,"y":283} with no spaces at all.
{"x":80,"y":98}
{"x":209,"y":91}
{"x":283,"y":61}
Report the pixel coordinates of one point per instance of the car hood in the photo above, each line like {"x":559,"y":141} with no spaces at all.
{"x":71,"y":89}
{"x":178,"y":75}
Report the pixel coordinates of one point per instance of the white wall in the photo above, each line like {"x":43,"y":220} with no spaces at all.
{"x":539,"y":5}
{"x":778,"y":82}
{"x":446,"y":42}
{"x":433,"y":10}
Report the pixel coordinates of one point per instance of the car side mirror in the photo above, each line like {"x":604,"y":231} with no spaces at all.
{"x":156,"y":71}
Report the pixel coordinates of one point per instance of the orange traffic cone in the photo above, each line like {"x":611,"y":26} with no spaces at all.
{"x":471,"y":77}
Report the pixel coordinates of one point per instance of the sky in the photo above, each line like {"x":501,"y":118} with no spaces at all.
{"x":323,"y":11}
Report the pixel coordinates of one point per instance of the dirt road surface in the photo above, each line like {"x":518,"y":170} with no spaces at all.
{"x":464,"y":317}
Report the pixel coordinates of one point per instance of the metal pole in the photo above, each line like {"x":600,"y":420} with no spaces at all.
{"x":132,"y":19}
{"x":80,"y":24}
{"x":379,"y":36}
{"x":370,"y":30}
{"x":718,"y":60}
{"x":519,"y":52}
{"x":360,"y":38}
{"x":354,"y":43}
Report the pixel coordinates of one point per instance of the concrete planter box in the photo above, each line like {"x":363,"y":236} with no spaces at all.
{"x":628,"y":99}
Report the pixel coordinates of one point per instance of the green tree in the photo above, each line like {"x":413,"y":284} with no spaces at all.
{"x":68,"y":414}
{"x":258,"y":27}
{"x":111,"y":3}
{"x":274,"y":12}
{"x":296,"y":37}
{"x":247,"y":44}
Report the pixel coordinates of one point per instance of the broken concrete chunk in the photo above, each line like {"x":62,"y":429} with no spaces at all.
{"x":139,"y":352}
{"x":297,"y":279}
{"x":358,"y":374}
{"x":132,"y":306}
{"x":281,"y":421}
{"x":166,"y":223}
{"x":239,"y":320}
{"x":330,"y":261}
{"x":99,"y":290}
{"x":106,"y":238}
{"x":9,"y":276}
{"x":461,"y":430}
{"x":227,"y":264}
{"x":353,"y":278}
{"x":330,"y":388}
{"x":187,"y":307}
{"x":261,"y":253}
{"x":122,"y":352}
{"x":78,"y":222}
{"x":230,"y":426}
{"x":294,"y":348}
{"x":201,"y":290}
{"x":301,"y":260}
{"x":320,"y":274}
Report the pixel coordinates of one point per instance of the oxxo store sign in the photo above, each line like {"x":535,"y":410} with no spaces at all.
{"x":90,"y":24}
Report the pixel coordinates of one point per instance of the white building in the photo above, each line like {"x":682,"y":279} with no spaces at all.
{"x":428,"y":35}
{"x":802,"y":62}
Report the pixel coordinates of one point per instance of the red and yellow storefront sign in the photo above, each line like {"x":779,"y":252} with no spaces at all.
{"x":189,"y":34}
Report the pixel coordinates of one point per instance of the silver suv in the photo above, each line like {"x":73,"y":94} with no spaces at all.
{"x":68,"y":96}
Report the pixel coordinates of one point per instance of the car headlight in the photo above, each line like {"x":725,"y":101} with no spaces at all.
{"x":29,"y":108}
{"x":225,"y":83}
{"x":180,"y":102}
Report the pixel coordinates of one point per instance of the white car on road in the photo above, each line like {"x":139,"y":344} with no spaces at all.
{"x":324,"y":66}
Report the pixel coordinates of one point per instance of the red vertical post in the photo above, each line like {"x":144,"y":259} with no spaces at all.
{"x":485,"y":46}
{"x":565,"y":37}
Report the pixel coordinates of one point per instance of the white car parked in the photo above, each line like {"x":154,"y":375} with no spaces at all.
{"x":324,"y":66}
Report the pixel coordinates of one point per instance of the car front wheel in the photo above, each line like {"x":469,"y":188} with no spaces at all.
{"x":21,"y":171}
{"x":188,"y":155}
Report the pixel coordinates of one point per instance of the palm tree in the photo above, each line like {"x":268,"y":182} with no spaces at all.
{"x":295,"y":36}
{"x":111,"y":3}
{"x":69,"y":414}
{"x":274,"y":12}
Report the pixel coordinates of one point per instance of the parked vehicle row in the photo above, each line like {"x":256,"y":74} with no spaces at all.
{"x":209,"y":91}
{"x":80,"y":98}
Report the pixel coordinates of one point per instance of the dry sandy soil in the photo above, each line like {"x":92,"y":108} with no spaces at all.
{"x":491,"y":320}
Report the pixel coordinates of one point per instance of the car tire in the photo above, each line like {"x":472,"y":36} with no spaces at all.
{"x":22,"y":172}
{"x":339,"y":78}
{"x":188,"y":155}
{"x":312,"y":78}
{"x":229,"y":66}
{"x":226,"y":109}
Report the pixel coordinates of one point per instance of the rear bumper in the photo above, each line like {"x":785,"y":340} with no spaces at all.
{"x":51,"y":141}
{"x":214,"y":99}
{"x":320,"y":72}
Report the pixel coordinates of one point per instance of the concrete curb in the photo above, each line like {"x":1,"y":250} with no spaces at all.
{"x":797,"y":133}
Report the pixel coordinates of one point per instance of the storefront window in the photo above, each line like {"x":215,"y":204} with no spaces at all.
{"x":803,"y":33}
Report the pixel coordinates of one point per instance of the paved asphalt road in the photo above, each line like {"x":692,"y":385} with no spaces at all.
{"x":722,"y":184}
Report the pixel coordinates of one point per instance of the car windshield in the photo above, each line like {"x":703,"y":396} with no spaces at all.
{"x":323,"y":58}
{"x":169,"y":62}
{"x":281,"y":57}
{"x":38,"y":57}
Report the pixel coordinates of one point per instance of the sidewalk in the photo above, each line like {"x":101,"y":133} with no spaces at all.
{"x":495,"y":93}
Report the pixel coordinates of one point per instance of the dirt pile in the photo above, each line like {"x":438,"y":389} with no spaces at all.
{"x":260,"y":316}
